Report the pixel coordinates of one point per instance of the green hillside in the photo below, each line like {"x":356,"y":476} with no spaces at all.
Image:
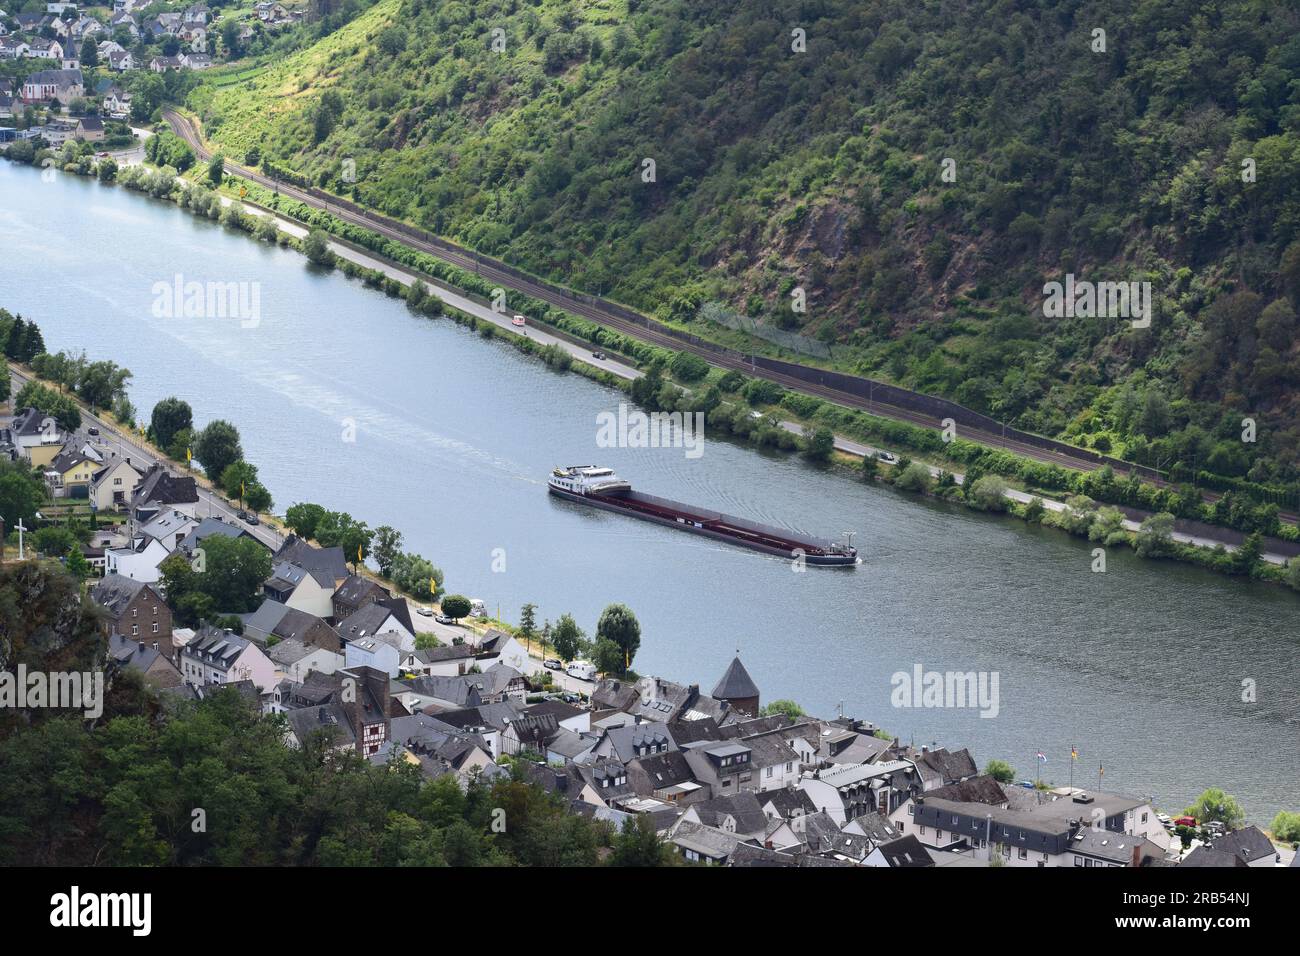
{"x":778,"y":171}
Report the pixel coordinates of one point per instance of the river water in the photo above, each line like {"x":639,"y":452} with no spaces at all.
{"x":1140,"y":668}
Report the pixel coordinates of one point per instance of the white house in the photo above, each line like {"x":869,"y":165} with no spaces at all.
{"x":380,"y":652}
{"x":111,"y":486}
{"x":221,"y":657}
{"x":138,"y":562}
{"x":294,"y":660}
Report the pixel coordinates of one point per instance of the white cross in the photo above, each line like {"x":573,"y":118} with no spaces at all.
{"x":20,"y":530}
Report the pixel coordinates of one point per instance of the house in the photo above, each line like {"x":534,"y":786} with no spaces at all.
{"x":135,"y":611}
{"x":169,"y":528}
{"x":48,"y":85}
{"x":381,"y":652}
{"x":222,"y":657}
{"x":146,"y":658}
{"x":275,"y":621}
{"x":441,"y":748}
{"x":213,"y":527}
{"x":1250,"y":845}
{"x":487,"y":722}
{"x":905,"y":852}
{"x":737,"y":813}
{"x":379,"y":620}
{"x":120,"y":61}
{"x":113,"y":483}
{"x":529,"y":732}
{"x":122,"y":20}
{"x":161,"y":64}
{"x":37,"y":436}
{"x":41,"y":48}
{"x":451,"y":661}
{"x":499,"y":647}
{"x":271,"y":12}
{"x":355,"y":593}
{"x":849,"y":791}
{"x":297,"y":587}
{"x":90,"y":129}
{"x":567,"y":747}
{"x":138,"y":560}
{"x":196,"y":61}
{"x":701,"y":844}
{"x":294,"y":660}
{"x":14,"y":48}
{"x":637,"y":740}
{"x":69,"y":473}
{"x":311,"y":558}
{"x":567,"y":716}
{"x":667,"y":777}
{"x":160,"y":490}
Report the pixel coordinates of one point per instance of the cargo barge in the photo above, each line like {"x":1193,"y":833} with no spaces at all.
{"x":601,"y":488}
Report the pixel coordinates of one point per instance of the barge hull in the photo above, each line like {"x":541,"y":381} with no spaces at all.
{"x":713,"y":524}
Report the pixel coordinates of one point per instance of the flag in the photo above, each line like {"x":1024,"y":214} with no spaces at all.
{"x":1100,"y":770}
{"x":241,"y":489}
{"x":1074,"y":754}
{"x":1042,"y":757}
{"x":433,"y":586}
{"x":359,"y":554}
{"x":189,"y":456}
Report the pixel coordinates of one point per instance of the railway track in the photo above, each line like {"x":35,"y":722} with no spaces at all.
{"x":183,"y":127}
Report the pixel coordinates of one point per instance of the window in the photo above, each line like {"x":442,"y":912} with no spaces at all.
{"x":135,"y":612}
{"x":135,"y":630}
{"x":155,"y":610}
{"x":921,"y":830}
{"x":767,"y":772}
{"x":1024,"y":854}
{"x":155,"y":627}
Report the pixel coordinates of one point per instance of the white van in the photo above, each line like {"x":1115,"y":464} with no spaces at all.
{"x":581,"y":670}
{"x":477,"y":608}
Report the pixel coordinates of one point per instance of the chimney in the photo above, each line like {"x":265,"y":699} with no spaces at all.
{"x":142,"y":647}
{"x":1137,"y":853}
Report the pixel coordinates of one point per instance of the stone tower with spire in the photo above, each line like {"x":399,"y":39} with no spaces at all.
{"x":738,"y":689}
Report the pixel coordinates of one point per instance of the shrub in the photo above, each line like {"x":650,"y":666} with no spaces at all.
{"x":915,"y":477}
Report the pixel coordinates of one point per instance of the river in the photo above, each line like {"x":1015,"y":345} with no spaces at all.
{"x":1140,"y":668}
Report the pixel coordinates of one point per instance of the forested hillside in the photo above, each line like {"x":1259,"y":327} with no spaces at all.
{"x":1172,"y":156}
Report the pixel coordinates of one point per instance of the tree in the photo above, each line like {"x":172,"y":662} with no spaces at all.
{"x":414,"y":574}
{"x":1000,"y":770}
{"x":819,"y":444}
{"x":988,"y":493}
{"x":1286,"y":826}
{"x":456,"y":606}
{"x":1293,"y":573}
{"x":53,"y":541}
{"x":637,"y":844}
{"x":77,"y":564}
{"x":89,"y":54}
{"x":619,"y":625}
{"x":1213,"y":804}
{"x":316,"y":248}
{"x":21,"y":494}
{"x":257,"y":497}
{"x":608,"y":657}
{"x":237,"y":477}
{"x":528,"y":622}
{"x":914,"y":477}
{"x":1155,"y":536}
{"x":870,"y":466}
{"x":786,"y":708}
{"x":217,"y":447}
{"x":217,"y":169}
{"x":303,"y":519}
{"x":233,"y":572}
{"x":567,"y":637}
{"x":388,"y":547}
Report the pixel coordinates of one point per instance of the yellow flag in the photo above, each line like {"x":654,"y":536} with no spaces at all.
{"x":433,"y":586}
{"x":189,"y":456}
{"x":241,"y":489}
{"x":358,"y":554}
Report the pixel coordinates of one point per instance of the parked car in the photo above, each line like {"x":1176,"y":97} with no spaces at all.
{"x":1165,"y":820}
{"x":519,"y":321}
{"x":1185,"y":821}
{"x":553,"y":663}
{"x":242,"y":515}
{"x":252,"y":518}
{"x":887,"y":458}
{"x":598,"y":354}
{"x":424,"y":611}
{"x":92,"y":430}
{"x":445,"y":619}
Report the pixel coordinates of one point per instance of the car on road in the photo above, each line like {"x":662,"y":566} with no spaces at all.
{"x":424,"y":611}
{"x":519,"y":321}
{"x":252,"y":518}
{"x":445,"y":619}
{"x":553,"y":663}
{"x":887,"y":458}
{"x":1165,"y":820}
{"x":598,"y":354}
{"x":1185,"y":821}
{"x":242,"y":515}
{"x":92,"y":431}
{"x":582,"y":670}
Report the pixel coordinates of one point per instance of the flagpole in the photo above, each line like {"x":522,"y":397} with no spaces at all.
{"x":1072,"y":752}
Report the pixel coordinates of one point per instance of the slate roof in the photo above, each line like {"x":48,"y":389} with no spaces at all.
{"x":743,"y":807}
{"x":787,"y":802}
{"x":905,"y":852}
{"x":207,"y":527}
{"x":306,"y":722}
{"x":356,"y":589}
{"x":115,"y":592}
{"x":158,"y":486}
{"x":298,"y":552}
{"x":736,"y":684}
{"x":1249,"y":843}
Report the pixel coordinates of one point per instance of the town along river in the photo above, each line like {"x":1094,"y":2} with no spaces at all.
{"x":1140,"y":668}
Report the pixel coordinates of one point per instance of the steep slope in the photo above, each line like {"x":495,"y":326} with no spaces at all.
{"x":780,"y":169}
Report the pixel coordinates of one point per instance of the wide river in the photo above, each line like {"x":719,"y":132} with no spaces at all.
{"x":1140,"y":668}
